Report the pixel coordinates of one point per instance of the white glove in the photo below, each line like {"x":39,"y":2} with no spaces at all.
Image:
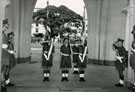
{"x":133,"y":49}
{"x":119,"y":58}
{"x":4,"y":46}
{"x":80,"y":58}
{"x":11,"y":51}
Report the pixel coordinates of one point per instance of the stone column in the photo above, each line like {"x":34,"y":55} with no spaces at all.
{"x":20,"y":18}
{"x":26,"y":12}
{"x":1,"y":18}
{"x":130,"y":10}
{"x":106,"y":23}
{"x":3,"y":5}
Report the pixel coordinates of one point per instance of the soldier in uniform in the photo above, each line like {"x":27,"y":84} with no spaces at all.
{"x":5,"y":54}
{"x":82,"y":60}
{"x":75,"y":51}
{"x":120,"y":62}
{"x":8,"y":58}
{"x":65,"y":59}
{"x":132,"y":58}
{"x":47,"y":58}
{"x":12,"y":61}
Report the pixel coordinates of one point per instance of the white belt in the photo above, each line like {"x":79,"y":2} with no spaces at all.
{"x":65,"y":54}
{"x":45,"y":52}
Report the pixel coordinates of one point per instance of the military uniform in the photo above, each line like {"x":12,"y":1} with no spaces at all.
{"x":65,"y":60}
{"x":75,"y":58}
{"x":45,"y":62}
{"x":120,"y":65}
{"x":75,"y":54}
{"x":6,"y":59}
{"x":5,"y":53}
{"x":120,"y":62}
{"x":132,"y":56}
{"x":12,"y":61}
{"x":81,"y":51}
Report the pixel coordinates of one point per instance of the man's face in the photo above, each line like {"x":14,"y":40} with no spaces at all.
{"x":5,"y":27}
{"x":120,"y":43}
{"x":76,"y":43}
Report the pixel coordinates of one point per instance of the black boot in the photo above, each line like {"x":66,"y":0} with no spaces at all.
{"x":119,"y":85}
{"x":66,"y":79}
{"x":10,"y":84}
{"x":45,"y":79}
{"x":63,"y":78}
{"x":81,"y":79}
{"x":45,"y":75}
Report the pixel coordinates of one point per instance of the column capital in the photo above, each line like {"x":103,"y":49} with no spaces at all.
{"x":6,"y":3}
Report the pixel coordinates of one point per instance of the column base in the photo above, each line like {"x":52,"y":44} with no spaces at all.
{"x":101,"y":62}
{"x":128,"y":84}
{"x":23,"y":60}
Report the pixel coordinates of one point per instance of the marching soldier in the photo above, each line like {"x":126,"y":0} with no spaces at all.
{"x":82,"y":60}
{"x":75,"y":51}
{"x":65,"y":59}
{"x":47,"y":58}
{"x":120,"y":63}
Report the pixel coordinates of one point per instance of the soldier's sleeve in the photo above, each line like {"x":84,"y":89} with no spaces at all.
{"x":61,"y":49}
{"x":43,"y":48}
{"x":53,"y":50}
{"x":87,"y":50}
{"x":73,"y":48}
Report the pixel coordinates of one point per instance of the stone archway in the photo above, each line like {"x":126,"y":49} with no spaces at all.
{"x":106,"y":23}
{"x":103,"y":30}
{"x":19,"y":13}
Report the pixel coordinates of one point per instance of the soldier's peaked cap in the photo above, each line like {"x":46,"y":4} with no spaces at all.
{"x":133,"y":29}
{"x":11,"y":33}
{"x":120,"y":40}
{"x":5,"y":21}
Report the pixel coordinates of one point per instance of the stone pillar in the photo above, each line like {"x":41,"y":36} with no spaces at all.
{"x":106,"y":23}
{"x":20,"y":19}
{"x":26,"y":12}
{"x":1,"y":18}
{"x":130,"y":12}
{"x":3,"y":5}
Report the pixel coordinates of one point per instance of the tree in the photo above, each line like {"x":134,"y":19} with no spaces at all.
{"x":55,"y":17}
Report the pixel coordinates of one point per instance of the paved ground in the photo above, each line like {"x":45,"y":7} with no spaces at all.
{"x":28,"y":77}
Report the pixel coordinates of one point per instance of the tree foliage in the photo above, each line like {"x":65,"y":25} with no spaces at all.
{"x":55,"y":17}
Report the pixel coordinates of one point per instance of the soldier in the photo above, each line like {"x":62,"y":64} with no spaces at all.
{"x":75,"y":51}
{"x":65,"y":59}
{"x":132,"y":62}
{"x":132,"y":58}
{"x":47,"y":58}
{"x":120,"y":63}
{"x":12,"y":61}
{"x":5,"y":54}
{"x":82,"y":60}
{"x":6,"y":51}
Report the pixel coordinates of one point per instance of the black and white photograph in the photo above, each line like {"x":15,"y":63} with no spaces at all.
{"x":67,"y":45}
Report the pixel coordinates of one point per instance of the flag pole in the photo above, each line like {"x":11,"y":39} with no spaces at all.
{"x":47,"y":32}
{"x":83,"y":23}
